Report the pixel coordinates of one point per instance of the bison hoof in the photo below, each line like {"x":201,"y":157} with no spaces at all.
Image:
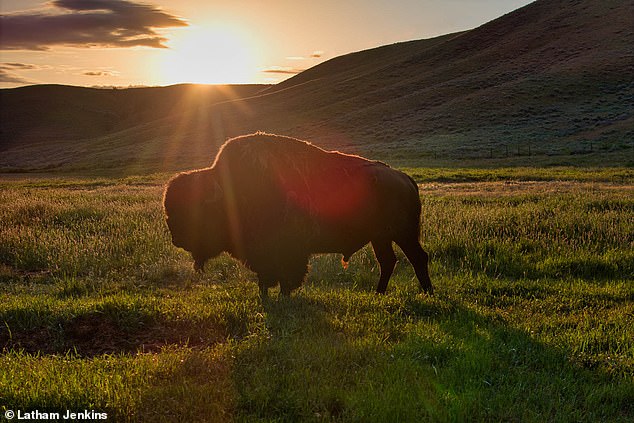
{"x":264,"y":293}
{"x":199,"y":266}
{"x":285,"y":291}
{"x":428,"y":291}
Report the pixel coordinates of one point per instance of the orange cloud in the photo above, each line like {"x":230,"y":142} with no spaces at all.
{"x":283,"y":70}
{"x":87,"y":23}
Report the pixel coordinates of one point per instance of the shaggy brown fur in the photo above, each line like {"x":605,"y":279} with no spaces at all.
{"x":272,"y":201}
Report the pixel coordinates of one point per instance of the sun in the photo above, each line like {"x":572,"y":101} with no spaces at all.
{"x":214,"y":54}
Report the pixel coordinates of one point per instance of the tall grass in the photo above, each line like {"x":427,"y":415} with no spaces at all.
{"x":84,"y":231}
{"x":553,"y":235}
{"x":532,"y":319}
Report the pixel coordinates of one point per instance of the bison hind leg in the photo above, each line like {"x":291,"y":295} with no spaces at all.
{"x":384,"y":254}
{"x":419,"y":260}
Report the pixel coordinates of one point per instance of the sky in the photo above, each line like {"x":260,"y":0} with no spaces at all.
{"x":164,"y":42}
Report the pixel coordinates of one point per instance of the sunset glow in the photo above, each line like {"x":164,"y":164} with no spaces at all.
{"x":160,"y":42}
{"x":214,"y":54}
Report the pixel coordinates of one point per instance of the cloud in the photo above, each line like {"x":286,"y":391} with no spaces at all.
{"x":19,"y":66}
{"x":87,"y":23}
{"x":8,"y":76}
{"x":100,"y":73}
{"x":283,"y":70}
{"x":292,"y":70}
{"x":314,"y":55}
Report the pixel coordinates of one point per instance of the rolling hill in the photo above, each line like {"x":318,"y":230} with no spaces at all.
{"x":52,"y":112}
{"x":550,"y":83}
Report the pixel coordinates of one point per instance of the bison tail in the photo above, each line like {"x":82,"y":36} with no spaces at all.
{"x":345,"y":261}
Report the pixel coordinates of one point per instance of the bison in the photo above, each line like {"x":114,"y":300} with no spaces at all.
{"x":271,"y":201}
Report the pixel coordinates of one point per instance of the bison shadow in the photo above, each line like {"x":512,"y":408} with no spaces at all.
{"x":306,"y":332}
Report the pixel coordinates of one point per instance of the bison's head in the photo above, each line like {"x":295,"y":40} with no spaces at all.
{"x":194,"y":212}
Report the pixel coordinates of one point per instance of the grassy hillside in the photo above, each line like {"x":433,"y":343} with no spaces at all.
{"x":548,"y":84}
{"x":48,"y":128}
{"x":553,"y":75}
{"x":57,"y":113}
{"x":532,"y":318}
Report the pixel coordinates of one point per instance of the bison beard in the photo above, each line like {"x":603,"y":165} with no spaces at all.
{"x":272,"y":201}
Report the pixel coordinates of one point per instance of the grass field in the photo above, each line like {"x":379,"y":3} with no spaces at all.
{"x":533,"y":317}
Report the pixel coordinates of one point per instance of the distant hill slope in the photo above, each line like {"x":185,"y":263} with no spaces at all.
{"x":552,"y":79}
{"x":556,"y":74}
{"x":133,"y":130}
{"x":54,"y":112}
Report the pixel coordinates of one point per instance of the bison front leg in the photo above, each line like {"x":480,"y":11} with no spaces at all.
{"x":285,"y":289}
{"x":264,"y":293}
{"x":264,"y":284}
{"x":199,"y":264}
{"x":387,"y":261}
{"x":289,"y":285}
{"x":293,"y":273}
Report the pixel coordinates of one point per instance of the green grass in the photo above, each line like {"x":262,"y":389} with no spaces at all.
{"x":557,"y":173}
{"x":533,"y":317}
